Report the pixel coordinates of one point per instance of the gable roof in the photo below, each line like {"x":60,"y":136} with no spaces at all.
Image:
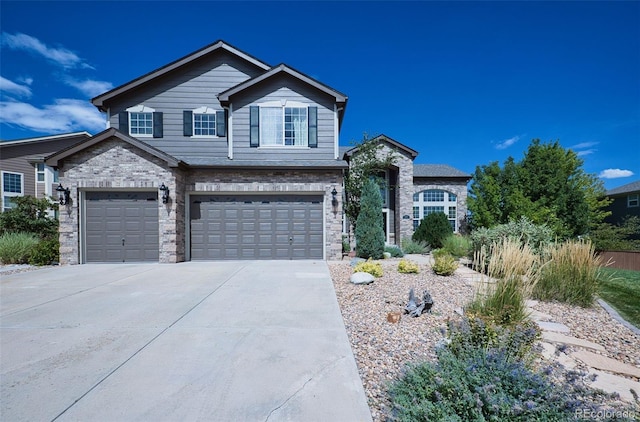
{"x":209,"y":49}
{"x":41,"y":139}
{"x":628,"y":188}
{"x":53,"y":159}
{"x":438,"y":170}
{"x":277,"y":70}
{"x":383,"y":138}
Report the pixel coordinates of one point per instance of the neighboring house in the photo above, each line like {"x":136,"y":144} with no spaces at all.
{"x":22,"y":166}
{"x":626,"y":202}
{"x":214,"y":156}
{"x":417,"y":190}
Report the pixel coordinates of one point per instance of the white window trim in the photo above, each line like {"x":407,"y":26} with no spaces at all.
{"x":635,"y":198}
{"x":44,"y":173}
{"x":202,"y":110}
{"x":283,"y":103}
{"x":13,"y":194}
{"x":140,"y":108}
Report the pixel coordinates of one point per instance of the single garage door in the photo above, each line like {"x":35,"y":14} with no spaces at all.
{"x":121,"y":226}
{"x":256,"y":227}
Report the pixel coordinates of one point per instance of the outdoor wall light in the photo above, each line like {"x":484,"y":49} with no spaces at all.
{"x":165,"y":193}
{"x":63,"y":194}
{"x":334,"y":199}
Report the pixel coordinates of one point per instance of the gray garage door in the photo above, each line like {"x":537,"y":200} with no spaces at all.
{"x":256,"y":227}
{"x":121,"y":226}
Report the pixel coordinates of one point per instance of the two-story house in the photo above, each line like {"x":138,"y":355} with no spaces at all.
{"x":216,"y":155}
{"x":625,"y":203}
{"x":22,"y":168}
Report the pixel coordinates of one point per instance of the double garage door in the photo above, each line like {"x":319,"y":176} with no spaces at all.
{"x":256,"y":227}
{"x":123,"y":227}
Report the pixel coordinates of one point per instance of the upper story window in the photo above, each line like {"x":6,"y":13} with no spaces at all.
{"x":435,"y":200}
{"x":40,"y":172}
{"x":633,"y":201}
{"x":283,"y":124}
{"x":12,"y":186}
{"x":204,"y":122}
{"x":141,"y":121}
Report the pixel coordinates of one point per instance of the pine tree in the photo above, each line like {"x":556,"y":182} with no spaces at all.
{"x":369,"y":229}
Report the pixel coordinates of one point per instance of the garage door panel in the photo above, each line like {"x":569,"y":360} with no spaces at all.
{"x":113,"y":216}
{"x":255,"y":226}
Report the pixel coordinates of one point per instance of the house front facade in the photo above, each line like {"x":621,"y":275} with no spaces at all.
{"x":22,"y":168}
{"x":625,"y":202}
{"x":214,"y":156}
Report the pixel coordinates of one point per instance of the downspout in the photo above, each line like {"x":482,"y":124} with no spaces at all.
{"x":229,"y":110}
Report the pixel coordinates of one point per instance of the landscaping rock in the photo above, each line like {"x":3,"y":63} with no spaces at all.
{"x":362,"y":278}
{"x":615,"y":384}
{"x":356,"y":261}
{"x":602,"y":362}
{"x":552,"y":326}
{"x":570,"y":341}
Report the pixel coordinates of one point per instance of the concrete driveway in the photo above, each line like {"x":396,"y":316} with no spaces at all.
{"x":210,"y":341}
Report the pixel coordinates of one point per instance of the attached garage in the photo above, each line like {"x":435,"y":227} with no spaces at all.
{"x":230,"y":227}
{"x":121,"y":226}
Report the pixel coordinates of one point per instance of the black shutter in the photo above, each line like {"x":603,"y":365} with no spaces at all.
{"x":187,"y":123}
{"x":313,"y":127}
{"x":157,"y":124}
{"x":221,"y":123}
{"x":123,"y":122}
{"x":254,"y":124}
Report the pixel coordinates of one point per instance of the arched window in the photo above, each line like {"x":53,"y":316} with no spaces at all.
{"x":435,"y":200}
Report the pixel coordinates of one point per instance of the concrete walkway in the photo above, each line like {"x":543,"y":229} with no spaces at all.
{"x":223,"y":341}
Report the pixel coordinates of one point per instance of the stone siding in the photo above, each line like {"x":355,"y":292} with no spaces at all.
{"x":116,"y":165}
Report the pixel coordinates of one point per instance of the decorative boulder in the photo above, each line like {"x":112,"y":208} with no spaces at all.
{"x":386,"y":255}
{"x":362,"y":278}
{"x":356,"y":261}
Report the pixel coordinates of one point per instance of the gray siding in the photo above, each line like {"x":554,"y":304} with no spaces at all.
{"x":287,"y":88}
{"x":15,"y":158}
{"x":196,"y":86}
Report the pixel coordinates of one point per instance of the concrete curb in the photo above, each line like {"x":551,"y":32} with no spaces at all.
{"x":617,"y":316}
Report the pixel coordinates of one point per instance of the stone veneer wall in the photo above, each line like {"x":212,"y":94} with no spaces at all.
{"x":267,"y":181}
{"x":458,"y":188}
{"x":116,"y":165}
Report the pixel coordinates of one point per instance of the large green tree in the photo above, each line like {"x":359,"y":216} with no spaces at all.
{"x":547,"y":186}
{"x":366,"y":162}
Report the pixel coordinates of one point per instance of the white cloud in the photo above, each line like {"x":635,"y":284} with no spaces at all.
{"x":89,"y":87}
{"x":585,"y":152}
{"x":507,"y":142}
{"x":65,"y":115}
{"x":583,"y":145}
{"x":615,"y":173}
{"x":13,"y":88}
{"x":61,"y":56}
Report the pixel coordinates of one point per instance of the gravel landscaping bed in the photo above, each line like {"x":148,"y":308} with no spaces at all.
{"x":382,"y":349}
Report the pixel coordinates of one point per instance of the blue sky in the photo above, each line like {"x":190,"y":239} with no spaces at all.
{"x":463,"y":83}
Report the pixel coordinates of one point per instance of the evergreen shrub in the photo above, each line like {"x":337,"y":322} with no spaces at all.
{"x":369,"y":229}
{"x":433,"y":229}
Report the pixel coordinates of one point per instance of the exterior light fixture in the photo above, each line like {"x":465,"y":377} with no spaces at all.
{"x":334,"y":199}
{"x":63,"y":194}
{"x":165,"y":193}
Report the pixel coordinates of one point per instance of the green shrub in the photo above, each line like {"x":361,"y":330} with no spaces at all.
{"x":570,"y":274}
{"x":537,"y":237}
{"x":30,"y":216}
{"x":411,"y":246}
{"x":373,"y":268}
{"x":456,"y":245}
{"x":433,"y":229}
{"x":394,"y":250}
{"x":408,"y":267}
{"x":16,"y":248}
{"x":346,"y":247}
{"x":478,"y":384}
{"x":369,"y":230}
{"x":444,"y":264}
{"x":45,"y":252}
